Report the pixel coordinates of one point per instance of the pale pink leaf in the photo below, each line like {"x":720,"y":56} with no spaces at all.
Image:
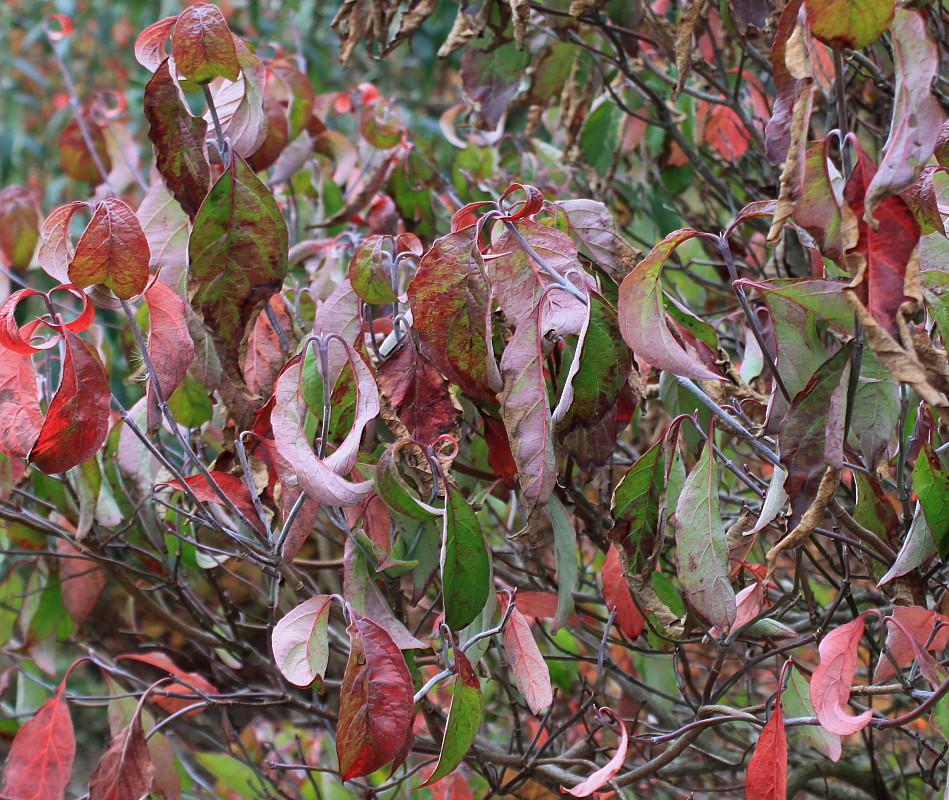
{"x":531,"y":674}
{"x":599,"y":779}
{"x":300,"y":641}
{"x":831,"y":681}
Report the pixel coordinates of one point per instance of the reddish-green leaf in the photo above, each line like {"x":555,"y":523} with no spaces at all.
{"x":464,"y":562}
{"x":179,"y":141}
{"x":56,"y":248}
{"x":617,"y":596}
{"x":370,"y":269}
{"x":767,"y":775}
{"x":531,"y":674}
{"x":831,"y":681}
{"x":642,"y":315}
{"x":602,"y":776}
{"x":376,"y":701}
{"x":464,"y":718}
{"x":77,"y":420}
{"x":39,"y":764}
{"x":125,"y":771}
{"x":19,"y":403}
{"x":395,"y":492}
{"x":19,"y":225}
{"x":240,"y":105}
{"x":701,"y":547}
{"x":74,"y":156}
{"x":238,"y":254}
{"x":849,"y":23}
{"x":203,"y":46}
{"x":637,"y":500}
{"x":170,"y":347}
{"x":819,"y":210}
{"x":150,"y":43}
{"x":112,"y":251}
{"x":300,"y":641}
{"x":452,"y":315}
{"x":917,"y":115}
{"x":778,"y":130}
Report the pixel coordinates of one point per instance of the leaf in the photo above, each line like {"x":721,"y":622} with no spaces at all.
{"x":189,"y":682}
{"x":530,"y":670}
{"x":592,"y":227}
{"x":77,"y":419}
{"x":452,"y":314}
{"x":170,"y":347}
{"x":464,"y":719}
{"x":394,"y":490}
{"x":19,"y":404}
{"x":602,"y":776}
{"x":491,"y":79}
{"x":240,"y":105}
{"x":464,"y":563}
{"x":112,"y":251}
{"x":74,"y":156}
{"x":19,"y":225}
{"x":525,"y":410}
{"x":917,"y":115}
{"x":56,"y":248}
{"x":797,"y":703}
{"x":565,"y":556}
{"x":82,"y":581}
{"x":917,"y":549}
{"x":617,"y":596}
{"x":831,"y":681}
{"x":418,"y":394}
{"x":931,"y":485}
{"x":179,"y":141}
{"x":150,"y":43}
{"x":767,"y":775}
{"x":370,"y":270}
{"x":820,"y":210}
{"x":849,"y":24}
{"x":166,"y":227}
{"x":232,"y":486}
{"x":376,"y":701}
{"x":322,"y":479}
{"x":39,"y":764}
{"x":636,"y":503}
{"x":203,"y":46}
{"x":787,"y":86}
{"x":238,"y":258}
{"x":701,"y":546}
{"x":300,"y":641}
{"x":125,"y":771}
{"x":920,"y":623}
{"x":642,"y":315}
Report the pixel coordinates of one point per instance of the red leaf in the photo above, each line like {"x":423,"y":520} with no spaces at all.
{"x":500,"y":458}
{"x":125,"y":771}
{"x":19,"y":225}
{"x":418,"y":394}
{"x":456,"y":786}
{"x":265,"y":355}
{"x":599,"y":779}
{"x":203,"y":46}
{"x":376,"y":701}
{"x":530,"y":670}
{"x":232,"y":485}
{"x":830,"y":684}
{"x":767,"y":775}
{"x":190,"y":681}
{"x":920,"y":623}
{"x":170,"y":347}
{"x":778,"y":130}
{"x":77,"y":420}
{"x":19,"y":404}
{"x":82,"y":581}
{"x":617,"y":596}
{"x":17,"y":339}
{"x":112,"y":250}
{"x":39,"y":764}
{"x":529,"y":207}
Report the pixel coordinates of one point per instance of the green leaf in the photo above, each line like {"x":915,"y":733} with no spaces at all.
{"x":666,"y":591}
{"x":238,"y":258}
{"x":636,"y":503}
{"x":464,"y":563}
{"x":190,"y":403}
{"x":565,"y":556}
{"x":464,"y":719}
{"x":395,"y":492}
{"x":849,"y":24}
{"x":370,"y":270}
{"x":931,"y":484}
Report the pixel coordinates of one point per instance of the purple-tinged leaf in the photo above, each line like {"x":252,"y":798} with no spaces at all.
{"x":125,"y":771}
{"x":778,"y":130}
{"x":170,"y":348}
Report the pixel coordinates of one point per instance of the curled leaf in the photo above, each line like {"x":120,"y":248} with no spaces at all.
{"x":830,"y":683}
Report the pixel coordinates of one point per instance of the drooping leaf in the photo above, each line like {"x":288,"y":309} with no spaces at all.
{"x":797,"y":703}
{"x":19,"y":403}
{"x":464,"y":719}
{"x":918,"y":547}
{"x":376,"y":701}
{"x":565,"y":559}
{"x":525,"y":409}
{"x":767,"y":775}
{"x":150,"y":43}
{"x":39,"y":764}
{"x":452,"y":315}
{"x":491,"y":79}
{"x":592,"y":227}
{"x":701,"y":546}
{"x":636,"y":503}
{"x":125,"y":771}
{"x":464,"y":563}
{"x":178,"y":139}
{"x":170,"y":347}
{"x":787,"y":86}
{"x":642,"y":315}
{"x":189,"y":682}
{"x":77,"y":419}
{"x":917,"y":115}
{"x":203,"y":46}
{"x":820,"y":210}
{"x":920,"y":623}
{"x":82,"y":581}
{"x":238,"y":258}
{"x":74,"y":156}
{"x":56,"y":247}
{"x":531,"y":674}
{"x":602,"y":776}
{"x":849,"y":23}
{"x":166,"y":227}
{"x":240,"y":105}
{"x":617,"y":596}
{"x":395,"y":491}
{"x":19,"y":225}
{"x":831,"y":681}
{"x":300,"y":641}
{"x":931,"y":484}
